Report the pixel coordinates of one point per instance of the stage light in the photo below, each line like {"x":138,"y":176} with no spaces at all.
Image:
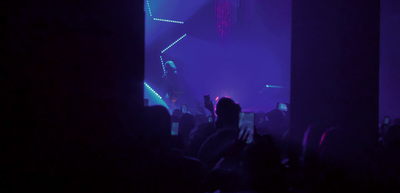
{"x":148,"y":6}
{"x":173,"y":43}
{"x":162,"y":64}
{"x":167,"y":20}
{"x":273,"y":86}
{"x":151,"y":89}
{"x":153,"y":97}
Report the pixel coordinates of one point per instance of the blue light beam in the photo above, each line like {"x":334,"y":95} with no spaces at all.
{"x":273,"y":86}
{"x":173,"y":43}
{"x":151,"y":89}
{"x":167,"y":20}
{"x":153,"y":97}
{"x":148,"y":6}
{"x":162,"y":64}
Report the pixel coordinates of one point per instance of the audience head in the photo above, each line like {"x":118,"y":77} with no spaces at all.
{"x":275,"y":117}
{"x":158,"y":132}
{"x":176,"y":115}
{"x":396,"y":121}
{"x":392,"y":137}
{"x":186,"y":124}
{"x":263,"y":165}
{"x":228,"y":113}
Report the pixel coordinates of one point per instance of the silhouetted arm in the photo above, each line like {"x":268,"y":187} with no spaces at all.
{"x":209,"y":106}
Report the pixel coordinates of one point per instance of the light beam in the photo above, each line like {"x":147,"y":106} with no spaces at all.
{"x":151,"y":89}
{"x":162,"y":64}
{"x":167,"y":20}
{"x":273,"y":86}
{"x":173,"y":43}
{"x":148,"y":6}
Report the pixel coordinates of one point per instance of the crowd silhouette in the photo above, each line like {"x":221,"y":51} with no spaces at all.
{"x":213,"y":156}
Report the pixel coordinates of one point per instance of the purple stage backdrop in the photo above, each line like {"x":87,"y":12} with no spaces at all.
{"x":389,"y":87}
{"x":223,"y":48}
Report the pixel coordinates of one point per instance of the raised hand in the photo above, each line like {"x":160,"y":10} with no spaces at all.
{"x":235,"y":149}
{"x":239,"y":144}
{"x":209,"y":106}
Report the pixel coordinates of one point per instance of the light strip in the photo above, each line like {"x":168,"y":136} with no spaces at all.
{"x":151,"y":89}
{"x":148,"y":6}
{"x":173,"y":43}
{"x":162,"y":64}
{"x":273,"y":86}
{"x":167,"y":20}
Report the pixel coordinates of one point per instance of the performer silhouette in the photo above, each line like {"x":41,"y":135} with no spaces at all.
{"x":172,"y":88}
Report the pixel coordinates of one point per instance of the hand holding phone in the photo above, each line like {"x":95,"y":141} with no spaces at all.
{"x":246,"y":125}
{"x":238,"y":145}
{"x":386,"y":120}
{"x":184,"y":109}
{"x":209,"y":106}
{"x":175,"y":128}
{"x":207,"y":103}
{"x":282,"y":107}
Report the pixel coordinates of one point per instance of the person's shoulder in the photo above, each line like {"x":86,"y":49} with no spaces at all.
{"x":212,"y":137}
{"x":194,"y":162}
{"x":221,"y":136}
{"x":205,"y":129}
{"x":202,"y":127}
{"x":227,"y":131}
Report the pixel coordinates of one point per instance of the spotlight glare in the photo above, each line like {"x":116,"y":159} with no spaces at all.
{"x":167,"y":20}
{"x":173,"y":43}
{"x":151,"y":89}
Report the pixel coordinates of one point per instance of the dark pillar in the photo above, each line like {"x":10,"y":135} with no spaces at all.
{"x":72,"y":86}
{"x":335,"y":64}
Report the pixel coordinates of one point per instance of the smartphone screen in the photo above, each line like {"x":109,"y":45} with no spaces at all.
{"x":386,"y":120}
{"x":184,"y":109}
{"x":246,"y":124}
{"x":174,"y":128}
{"x":282,"y":107}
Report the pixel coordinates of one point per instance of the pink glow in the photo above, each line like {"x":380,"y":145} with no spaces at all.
{"x":305,"y":139}
{"x":224,"y":19}
{"x":323,"y":136}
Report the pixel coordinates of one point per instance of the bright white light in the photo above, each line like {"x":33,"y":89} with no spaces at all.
{"x":162,"y":64}
{"x":151,"y":89}
{"x":173,"y":43}
{"x":148,"y":6}
{"x":167,"y":20}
